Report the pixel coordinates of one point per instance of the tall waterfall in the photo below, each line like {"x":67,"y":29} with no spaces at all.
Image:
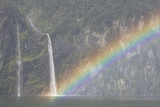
{"x":53,"y":91}
{"x":19,"y":63}
{"x":51,"y":66}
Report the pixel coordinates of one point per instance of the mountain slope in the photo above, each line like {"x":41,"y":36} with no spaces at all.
{"x":78,"y":29}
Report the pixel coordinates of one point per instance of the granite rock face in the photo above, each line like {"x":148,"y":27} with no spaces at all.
{"x":136,"y":74}
{"x":7,"y":53}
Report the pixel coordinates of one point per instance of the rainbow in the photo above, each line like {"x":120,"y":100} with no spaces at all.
{"x":106,"y":57}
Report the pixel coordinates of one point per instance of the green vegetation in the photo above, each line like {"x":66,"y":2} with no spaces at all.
{"x":70,"y":17}
{"x":38,"y":50}
{"x":8,"y":71}
{"x":61,"y":19}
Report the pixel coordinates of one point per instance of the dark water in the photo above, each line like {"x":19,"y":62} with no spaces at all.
{"x":80,"y":102}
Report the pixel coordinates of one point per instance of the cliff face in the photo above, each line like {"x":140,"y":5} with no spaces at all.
{"x":7,"y":53}
{"x":135,"y":74}
{"x":34,"y":56}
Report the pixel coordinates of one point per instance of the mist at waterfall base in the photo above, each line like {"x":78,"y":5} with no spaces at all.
{"x":80,"y":101}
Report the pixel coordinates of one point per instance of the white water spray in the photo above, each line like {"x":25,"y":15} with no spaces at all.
{"x":19,"y":63}
{"x":53,"y":91}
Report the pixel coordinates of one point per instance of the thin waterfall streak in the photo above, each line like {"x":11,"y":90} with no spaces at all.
{"x":30,"y":21}
{"x":53,"y":90}
{"x":19,"y":64}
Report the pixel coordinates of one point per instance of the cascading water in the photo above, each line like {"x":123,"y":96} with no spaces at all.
{"x":30,"y":21}
{"x":19,"y":63}
{"x":53,"y":91}
{"x":51,"y":66}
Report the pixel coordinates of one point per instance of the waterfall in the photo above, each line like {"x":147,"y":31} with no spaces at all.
{"x":51,"y":66}
{"x":53,"y":91}
{"x":30,"y":21}
{"x":19,"y":63}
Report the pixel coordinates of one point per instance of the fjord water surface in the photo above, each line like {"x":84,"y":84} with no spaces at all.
{"x":76,"y":101}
